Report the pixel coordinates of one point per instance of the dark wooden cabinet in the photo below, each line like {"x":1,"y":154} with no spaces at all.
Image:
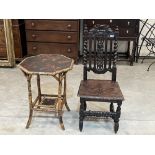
{"x":128,"y":31}
{"x":128,"y":28}
{"x":17,"y":29}
{"x":52,"y":36}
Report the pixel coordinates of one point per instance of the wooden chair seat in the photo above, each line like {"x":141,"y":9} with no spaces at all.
{"x":100,"y":89}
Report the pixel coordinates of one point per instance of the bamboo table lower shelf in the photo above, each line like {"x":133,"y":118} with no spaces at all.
{"x":53,"y":65}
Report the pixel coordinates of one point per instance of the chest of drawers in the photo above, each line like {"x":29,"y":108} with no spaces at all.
{"x":52,"y":36}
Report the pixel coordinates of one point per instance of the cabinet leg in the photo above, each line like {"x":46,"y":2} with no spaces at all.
{"x":132,"y":57}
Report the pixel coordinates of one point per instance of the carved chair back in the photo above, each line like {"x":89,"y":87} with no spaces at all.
{"x":100,"y":50}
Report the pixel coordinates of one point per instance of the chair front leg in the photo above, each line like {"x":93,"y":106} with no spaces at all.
{"x":81,"y":114}
{"x":85,"y":105}
{"x":116,"y":118}
{"x":112,"y":107}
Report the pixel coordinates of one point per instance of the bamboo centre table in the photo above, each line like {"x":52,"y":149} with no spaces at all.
{"x":54,"y":65}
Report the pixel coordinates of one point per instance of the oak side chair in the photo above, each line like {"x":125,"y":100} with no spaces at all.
{"x":100,"y":55}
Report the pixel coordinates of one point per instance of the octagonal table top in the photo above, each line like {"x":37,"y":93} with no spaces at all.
{"x":46,"y":64}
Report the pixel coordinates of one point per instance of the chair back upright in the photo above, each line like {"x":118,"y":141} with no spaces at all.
{"x":100,"y":50}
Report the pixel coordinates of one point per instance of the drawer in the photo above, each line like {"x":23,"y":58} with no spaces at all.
{"x":70,"y":50}
{"x":58,"y":25}
{"x":131,"y":23}
{"x":125,"y":32}
{"x":52,"y":36}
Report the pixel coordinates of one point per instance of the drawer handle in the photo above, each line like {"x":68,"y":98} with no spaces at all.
{"x":69,"y":26}
{"x":32,"y":24}
{"x":110,"y":20}
{"x":34,"y":47}
{"x":69,"y":37}
{"x":69,"y":50}
{"x":33,"y":36}
{"x":127,"y":31}
{"x":128,"y":23}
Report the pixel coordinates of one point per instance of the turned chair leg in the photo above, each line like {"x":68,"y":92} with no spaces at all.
{"x":116,"y":125}
{"x":111,"y":107}
{"x":116,"y":118}
{"x":85,"y":105}
{"x":81,"y":114}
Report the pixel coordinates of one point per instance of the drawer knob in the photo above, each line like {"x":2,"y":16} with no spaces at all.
{"x":69,"y":50}
{"x":32,"y":24}
{"x":93,"y":22}
{"x":127,"y":31}
{"x":110,"y":20}
{"x":34,"y":47}
{"x":69,"y":37}
{"x":33,"y":36}
{"x":69,"y":26}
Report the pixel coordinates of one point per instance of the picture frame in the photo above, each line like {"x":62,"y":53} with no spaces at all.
{"x":10,"y":60}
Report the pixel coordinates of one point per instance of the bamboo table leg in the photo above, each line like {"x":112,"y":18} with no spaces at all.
{"x":60,"y":101}
{"x":39,"y":88}
{"x":30,"y":100}
{"x":65,"y":100}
